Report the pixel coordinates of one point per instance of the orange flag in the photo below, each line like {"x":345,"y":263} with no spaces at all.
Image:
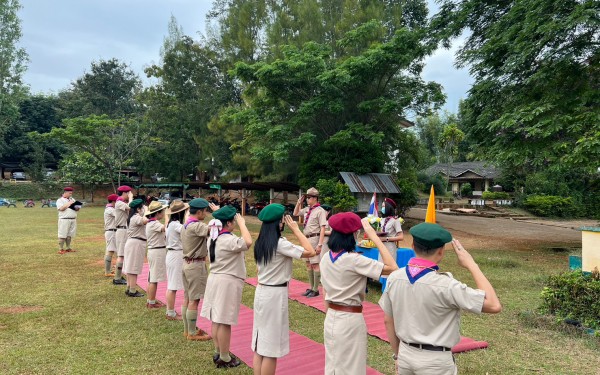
{"x":430,"y":216}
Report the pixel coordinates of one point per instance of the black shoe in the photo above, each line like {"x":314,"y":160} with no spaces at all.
{"x":216,"y":357}
{"x":136,"y":294}
{"x":313,"y":293}
{"x":305,"y":294}
{"x":233,"y":363}
{"x":119,"y":281}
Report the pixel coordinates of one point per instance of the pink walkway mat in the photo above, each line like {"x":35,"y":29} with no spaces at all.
{"x":372,"y":313}
{"x":294,"y":363}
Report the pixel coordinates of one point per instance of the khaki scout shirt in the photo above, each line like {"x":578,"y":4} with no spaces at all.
{"x":121,"y":213}
{"x":155,"y":235}
{"x":194,"y":239}
{"x":68,"y":213}
{"x":136,"y":227}
{"x":428,"y":311}
{"x":317,"y":219}
{"x":279,"y":269}
{"x":229,"y":256}
{"x":109,"y":218}
{"x":345,"y":279}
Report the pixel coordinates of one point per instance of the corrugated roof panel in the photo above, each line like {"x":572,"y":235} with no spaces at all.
{"x":370,"y":183}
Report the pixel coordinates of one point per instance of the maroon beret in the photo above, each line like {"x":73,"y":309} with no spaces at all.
{"x":68,"y":188}
{"x":112,"y":197}
{"x":123,"y":189}
{"x":345,"y":222}
{"x":390,"y":201}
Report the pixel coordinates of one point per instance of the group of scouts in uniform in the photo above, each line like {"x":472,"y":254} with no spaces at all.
{"x":421,"y":305}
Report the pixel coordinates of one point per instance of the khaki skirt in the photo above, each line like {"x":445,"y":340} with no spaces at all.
{"x":345,"y":343}
{"x":174,"y":269}
{"x":158,"y":266}
{"x":271,"y":328}
{"x":135,"y":252}
{"x":222,"y":299}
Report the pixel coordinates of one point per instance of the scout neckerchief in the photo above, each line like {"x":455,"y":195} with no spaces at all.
{"x":336,"y":256}
{"x":152,"y":219}
{"x":308,"y":213}
{"x":215,"y":226}
{"x":110,"y":205}
{"x":385,"y":222}
{"x":190,"y":220}
{"x":417,"y":268}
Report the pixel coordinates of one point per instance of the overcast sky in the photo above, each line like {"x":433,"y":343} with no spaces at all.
{"x":63,"y":37}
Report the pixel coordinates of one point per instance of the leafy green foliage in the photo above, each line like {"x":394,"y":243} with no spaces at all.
{"x":336,"y":194}
{"x":466,"y":190}
{"x":494,"y":195}
{"x":550,"y":205}
{"x":408,"y":196}
{"x":438,"y":182}
{"x":575,"y":296}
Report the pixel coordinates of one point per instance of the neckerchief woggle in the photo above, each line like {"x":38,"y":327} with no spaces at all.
{"x":417,"y":268}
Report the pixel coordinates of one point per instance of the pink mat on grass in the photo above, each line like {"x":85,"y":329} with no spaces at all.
{"x":372,"y":312}
{"x":306,"y":356}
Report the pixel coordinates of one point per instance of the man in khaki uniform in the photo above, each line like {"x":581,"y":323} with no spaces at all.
{"x":121,"y":214}
{"x":194,"y":238}
{"x":422,"y":306}
{"x":315,"y":220}
{"x":110,"y":229}
{"x":67,"y":220}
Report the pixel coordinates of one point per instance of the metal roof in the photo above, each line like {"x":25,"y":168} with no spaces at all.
{"x":370,"y":183}
{"x":482,"y":168}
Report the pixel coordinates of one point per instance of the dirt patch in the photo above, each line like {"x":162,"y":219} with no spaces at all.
{"x":19,"y":309}
{"x":2,"y":326}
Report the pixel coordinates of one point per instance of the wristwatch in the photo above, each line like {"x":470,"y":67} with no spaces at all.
{"x":395,"y":357}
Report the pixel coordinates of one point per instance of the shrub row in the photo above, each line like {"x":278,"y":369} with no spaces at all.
{"x":494,"y":195}
{"x":30,"y":190}
{"x":551,"y":205}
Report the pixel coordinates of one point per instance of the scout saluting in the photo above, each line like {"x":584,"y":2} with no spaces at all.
{"x":175,"y":218}
{"x":121,"y":216}
{"x":344,"y":278}
{"x":67,"y":219}
{"x":221,"y":304}
{"x":135,"y":247}
{"x":422,"y":307}
{"x":274,"y":257}
{"x":109,"y":233}
{"x":157,"y":252}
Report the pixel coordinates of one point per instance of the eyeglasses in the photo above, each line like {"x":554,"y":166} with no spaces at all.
{"x":310,"y":196}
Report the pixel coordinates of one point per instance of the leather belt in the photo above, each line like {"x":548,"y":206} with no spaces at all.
{"x":121,"y":227}
{"x":351,"y":309}
{"x":171,"y":249}
{"x":110,"y":230}
{"x":432,"y":348}
{"x":139,"y":238}
{"x":282,"y":285}
{"x":188,"y":260}
{"x":68,"y":218}
{"x":313,"y":235}
{"x":155,"y":248}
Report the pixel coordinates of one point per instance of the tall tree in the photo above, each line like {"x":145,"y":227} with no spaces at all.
{"x":12,"y":65}
{"x":535,"y":103}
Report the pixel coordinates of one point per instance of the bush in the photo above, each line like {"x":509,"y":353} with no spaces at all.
{"x":575,"y":296}
{"x":32,"y":190}
{"x":466,"y":190}
{"x":408,"y":196}
{"x":336,"y":194}
{"x":438,"y":182}
{"x":491,"y":195}
{"x":550,"y":205}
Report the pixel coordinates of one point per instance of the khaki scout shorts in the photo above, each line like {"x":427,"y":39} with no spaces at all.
{"x":67,"y":228}
{"x":195,"y":276}
{"x":121,"y":238}
{"x":111,"y":241}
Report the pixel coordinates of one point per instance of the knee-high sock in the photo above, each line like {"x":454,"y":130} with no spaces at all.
{"x":311,"y":278}
{"x":185,"y":321}
{"x":317,"y":279}
{"x":61,"y":243}
{"x":119,"y":272}
{"x":107,"y":262}
{"x":191,"y":316}
{"x":68,"y":242}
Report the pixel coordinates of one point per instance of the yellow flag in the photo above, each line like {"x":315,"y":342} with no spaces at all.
{"x":430,"y":216}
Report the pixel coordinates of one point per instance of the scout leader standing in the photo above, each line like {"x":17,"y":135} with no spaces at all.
{"x":221,"y":303}
{"x":422,"y":306}
{"x":345,"y":276}
{"x":315,"y":220}
{"x":194,"y":238}
{"x":157,"y":252}
{"x":121,"y":215}
{"x":274,"y":257}
{"x":110,"y":228}
{"x":67,"y":219}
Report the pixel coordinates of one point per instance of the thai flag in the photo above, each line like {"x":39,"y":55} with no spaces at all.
{"x":373,"y":206}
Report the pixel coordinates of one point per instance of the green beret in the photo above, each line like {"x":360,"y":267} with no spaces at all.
{"x":199,"y":203}
{"x":135,"y":203}
{"x":326,"y":207}
{"x":226,"y":213}
{"x":429,"y":235}
{"x":272,"y":212}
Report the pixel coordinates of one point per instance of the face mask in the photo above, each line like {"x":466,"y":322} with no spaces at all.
{"x":383,"y":210}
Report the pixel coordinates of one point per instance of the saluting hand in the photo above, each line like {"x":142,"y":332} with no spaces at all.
{"x":239,"y":219}
{"x":291,"y":223}
{"x":213,"y":207}
{"x":464,"y":258}
{"x":369,"y":230}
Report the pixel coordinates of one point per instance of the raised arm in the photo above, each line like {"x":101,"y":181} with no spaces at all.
{"x":389,"y":265}
{"x":309,"y":251}
{"x":241,"y":222}
{"x":298,"y":206}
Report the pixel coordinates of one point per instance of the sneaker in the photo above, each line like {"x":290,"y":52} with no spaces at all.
{"x":70,"y":251}
{"x":158,"y":303}
{"x":216,"y":357}
{"x":61,"y":251}
{"x":313,"y":293}
{"x":153,"y":306}
{"x":119,"y":281}
{"x":136,"y":294}
{"x":233,"y":363}
{"x":305,"y":294}
{"x":176,"y":317}
{"x":199,"y":336}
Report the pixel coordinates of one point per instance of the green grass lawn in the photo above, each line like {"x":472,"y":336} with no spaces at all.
{"x":59,"y":315}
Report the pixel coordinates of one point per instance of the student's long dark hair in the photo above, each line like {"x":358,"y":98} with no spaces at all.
{"x":266,"y":244}
{"x":132,"y":212}
{"x":389,"y":210}
{"x":177,"y":216}
{"x":213,"y":243}
{"x":341,"y":241}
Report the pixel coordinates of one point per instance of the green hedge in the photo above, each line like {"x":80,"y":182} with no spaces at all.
{"x":34,"y":191}
{"x":550,"y":205}
{"x":573,"y":295}
{"x":494,"y":195}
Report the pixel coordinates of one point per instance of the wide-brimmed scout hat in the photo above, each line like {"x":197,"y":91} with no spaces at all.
{"x":430,"y":236}
{"x":271,"y":212}
{"x":312,"y":192}
{"x":345,"y":222}
{"x":154,"y":207}
{"x":177,"y":206}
